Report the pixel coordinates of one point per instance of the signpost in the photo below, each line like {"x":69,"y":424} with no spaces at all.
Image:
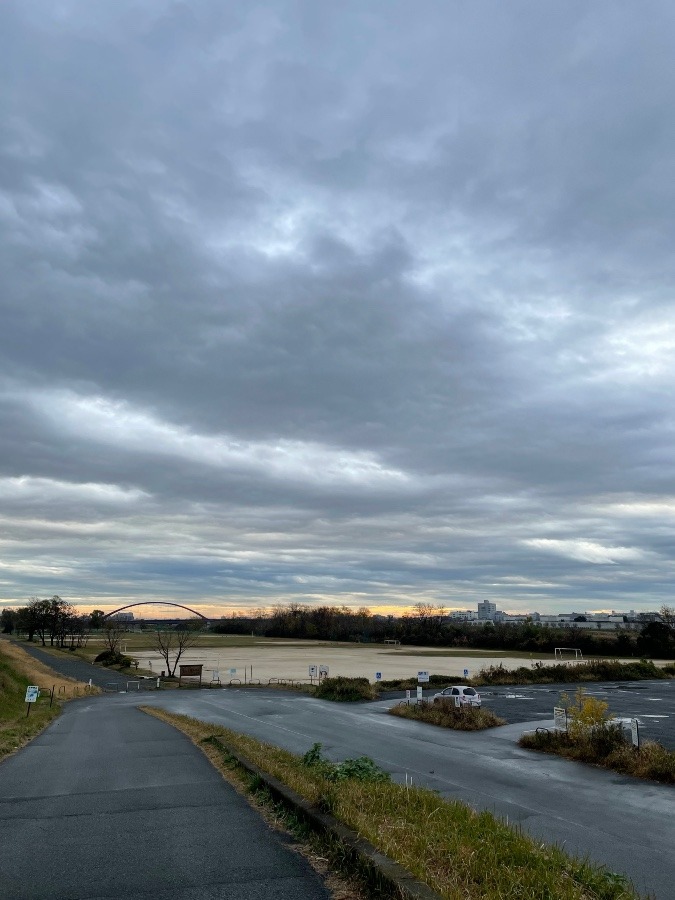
{"x":190,"y":671}
{"x":32,"y":693}
{"x":419,"y":694}
{"x":422,"y":676}
{"x":313,"y":671}
{"x":635,"y":732}
{"x":466,"y":673}
{"x":323,"y":671}
{"x":378,"y":676}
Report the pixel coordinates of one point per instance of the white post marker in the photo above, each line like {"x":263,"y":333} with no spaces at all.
{"x":419,"y":694}
{"x":407,"y":696}
{"x":313,"y":671}
{"x":635,"y":732}
{"x":559,"y":718}
{"x":422,"y":676}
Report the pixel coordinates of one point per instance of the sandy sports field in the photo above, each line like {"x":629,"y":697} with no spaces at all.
{"x":276,"y":660}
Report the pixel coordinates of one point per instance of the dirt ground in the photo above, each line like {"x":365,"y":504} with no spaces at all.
{"x":267,"y":660}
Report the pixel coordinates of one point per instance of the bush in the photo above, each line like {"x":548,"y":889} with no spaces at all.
{"x":342,"y":689}
{"x":447,"y":715}
{"x":592,"y":670}
{"x":361,"y":769}
{"x":113,"y":658}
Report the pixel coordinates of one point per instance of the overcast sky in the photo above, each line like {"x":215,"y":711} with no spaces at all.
{"x":358,"y":302}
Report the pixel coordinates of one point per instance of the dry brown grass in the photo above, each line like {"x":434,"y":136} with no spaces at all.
{"x":17,"y":671}
{"x":446,"y":715}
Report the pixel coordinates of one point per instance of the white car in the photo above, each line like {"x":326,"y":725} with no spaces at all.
{"x":461,"y":694}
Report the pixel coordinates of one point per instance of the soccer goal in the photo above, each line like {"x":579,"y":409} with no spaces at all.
{"x":568,"y":654}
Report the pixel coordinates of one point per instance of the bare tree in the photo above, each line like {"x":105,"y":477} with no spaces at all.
{"x":113,"y":629}
{"x":173,"y":642}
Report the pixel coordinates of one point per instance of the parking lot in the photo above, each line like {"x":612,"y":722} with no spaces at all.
{"x":651,"y":702}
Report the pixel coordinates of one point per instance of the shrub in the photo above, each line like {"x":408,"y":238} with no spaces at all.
{"x":113,"y":658}
{"x":344,"y":689}
{"x":361,"y":769}
{"x":592,"y":670}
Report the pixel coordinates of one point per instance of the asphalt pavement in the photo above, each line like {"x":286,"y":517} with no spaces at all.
{"x":111,"y":803}
{"x":74,"y":667}
{"x":622,"y":823}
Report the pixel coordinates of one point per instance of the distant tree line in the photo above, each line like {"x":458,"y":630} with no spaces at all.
{"x":428,"y":625}
{"x":54,"y":620}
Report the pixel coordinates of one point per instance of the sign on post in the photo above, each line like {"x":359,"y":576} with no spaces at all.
{"x":190,"y":671}
{"x":635,"y":732}
{"x":233,"y":671}
{"x":32,"y":693}
{"x":466,"y":673}
{"x":313,"y":671}
{"x":378,"y":676}
{"x":323,"y":671}
{"x":407,"y":696}
{"x":419,"y":693}
{"x":422,"y":676}
{"x":559,"y":718}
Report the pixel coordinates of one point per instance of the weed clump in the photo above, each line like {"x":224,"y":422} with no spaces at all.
{"x":361,"y":769}
{"x":446,"y":715}
{"x":343,"y":689}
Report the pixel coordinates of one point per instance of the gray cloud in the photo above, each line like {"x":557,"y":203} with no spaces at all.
{"x":346,"y":303}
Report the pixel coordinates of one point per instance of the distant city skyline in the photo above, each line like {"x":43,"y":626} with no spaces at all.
{"x":337,"y":304}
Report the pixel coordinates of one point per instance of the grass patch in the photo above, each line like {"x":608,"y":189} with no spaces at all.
{"x":17,"y":671}
{"x":458,"y":852}
{"x":592,"y":670}
{"x":607,"y":747}
{"x":447,"y":715}
{"x":345,"y":690}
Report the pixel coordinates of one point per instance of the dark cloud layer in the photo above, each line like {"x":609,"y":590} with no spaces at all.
{"x":357,"y":303}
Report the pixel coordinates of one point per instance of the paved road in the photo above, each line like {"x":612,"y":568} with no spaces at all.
{"x":77,"y":668}
{"x":111,"y":803}
{"x":625,"y":824}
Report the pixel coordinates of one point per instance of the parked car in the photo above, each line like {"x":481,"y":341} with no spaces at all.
{"x":467,"y":696}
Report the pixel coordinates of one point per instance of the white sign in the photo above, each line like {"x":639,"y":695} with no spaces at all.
{"x":32,"y":693}
{"x":466,"y":673}
{"x":419,"y":693}
{"x":313,"y":671}
{"x":407,"y":695}
{"x":422,"y":676}
{"x":635,"y":732}
{"x":323,"y":671}
{"x":560,"y":718}
{"x":378,"y":676}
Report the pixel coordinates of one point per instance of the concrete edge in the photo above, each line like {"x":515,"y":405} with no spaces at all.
{"x":387,"y":872}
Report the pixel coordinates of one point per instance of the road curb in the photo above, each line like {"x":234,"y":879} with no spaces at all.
{"x":387,"y":873}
